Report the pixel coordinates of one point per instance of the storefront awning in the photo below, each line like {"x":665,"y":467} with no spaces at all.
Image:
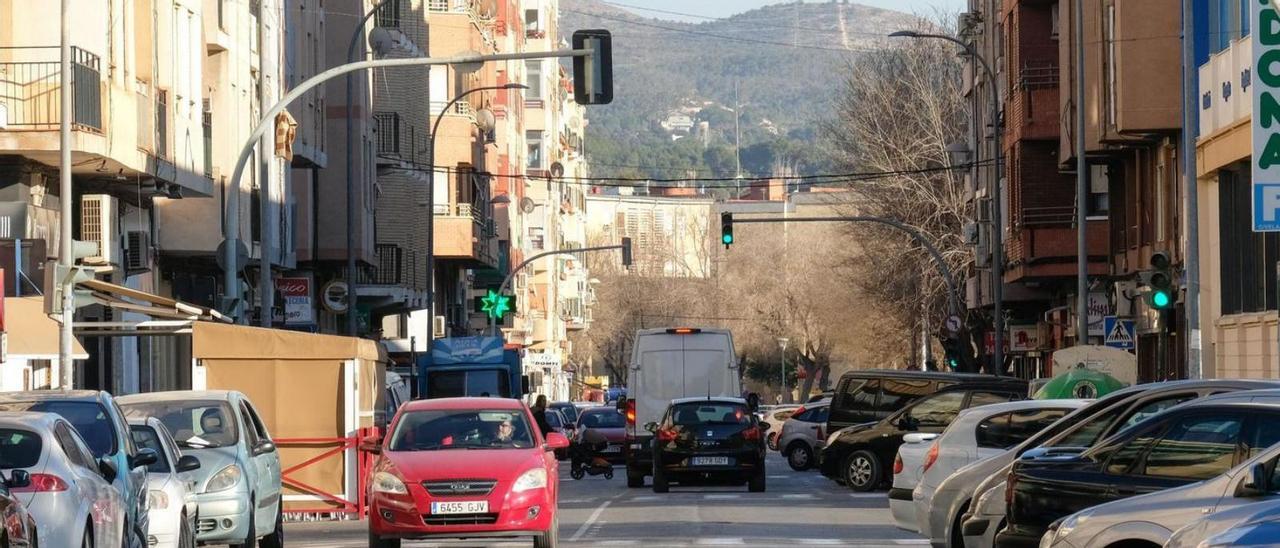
{"x":168,"y":316}
{"x":33,"y":335}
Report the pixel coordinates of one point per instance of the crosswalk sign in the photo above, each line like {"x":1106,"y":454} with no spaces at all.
{"x":1119,"y":332}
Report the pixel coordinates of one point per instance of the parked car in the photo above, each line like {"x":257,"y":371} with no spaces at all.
{"x":976,"y":434}
{"x":238,"y":462}
{"x":1231,"y":527}
{"x":560,"y":424}
{"x":68,"y":497}
{"x":607,"y":421}
{"x":869,"y":396}
{"x":950,"y":512}
{"x":861,"y":457}
{"x":100,"y":422}
{"x":776,"y":416}
{"x":20,"y":530}
{"x":464,"y":468}
{"x":804,"y":434}
{"x":568,"y":409}
{"x":1175,"y":448}
{"x":171,"y":491}
{"x":708,"y":439}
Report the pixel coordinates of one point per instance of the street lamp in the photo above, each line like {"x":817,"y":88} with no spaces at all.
{"x":997,"y":214}
{"x":782,"y":345}
{"x":431,"y":200}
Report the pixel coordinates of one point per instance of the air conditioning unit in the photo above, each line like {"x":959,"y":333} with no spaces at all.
{"x":438,"y":327}
{"x":98,"y":223}
{"x":137,"y":251}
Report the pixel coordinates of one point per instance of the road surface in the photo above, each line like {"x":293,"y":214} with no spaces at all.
{"x":799,"y":509}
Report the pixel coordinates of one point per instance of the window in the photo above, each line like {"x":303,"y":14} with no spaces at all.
{"x":821,"y":414}
{"x":993,"y":433}
{"x":1088,"y":432}
{"x":1247,"y":258}
{"x":461,"y":429}
{"x":1197,"y":447}
{"x":1266,"y":433}
{"x":19,"y":448}
{"x":1024,"y":424}
{"x":708,"y":413}
{"x":257,"y":422}
{"x":89,"y":418}
{"x":897,"y":393}
{"x":936,"y":411}
{"x":250,"y":435}
{"x":195,"y":424}
{"x":147,"y":438}
{"x":534,"y":140}
{"x":1123,"y":457}
{"x":1153,"y":408}
{"x":978,"y":399}
{"x":531,"y":23}
{"x":451,"y":384}
{"x":533,"y":79}
{"x":73,"y":446}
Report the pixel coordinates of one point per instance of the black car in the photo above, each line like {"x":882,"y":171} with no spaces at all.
{"x":708,"y":440}
{"x":861,"y":457}
{"x":1177,"y":447}
{"x":869,"y":396}
{"x":569,"y":410}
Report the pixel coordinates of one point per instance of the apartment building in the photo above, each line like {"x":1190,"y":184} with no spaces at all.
{"x":670,"y":236}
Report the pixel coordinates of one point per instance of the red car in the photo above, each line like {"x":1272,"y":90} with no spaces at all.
{"x":461,"y":468}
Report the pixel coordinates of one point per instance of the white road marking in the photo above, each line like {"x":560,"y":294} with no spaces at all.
{"x":722,"y":497}
{"x":797,"y":496}
{"x":867,"y":495}
{"x":719,"y":542}
{"x":779,"y":476}
{"x":592,"y":519}
{"x":645,"y":498}
{"x":820,"y":541}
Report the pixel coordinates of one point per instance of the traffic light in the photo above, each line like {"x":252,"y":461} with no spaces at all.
{"x":56,"y":277}
{"x":726,"y":229}
{"x":495,"y":305}
{"x":1159,"y":282}
{"x":593,"y":74}
{"x":626,"y":251}
{"x":952,"y":353}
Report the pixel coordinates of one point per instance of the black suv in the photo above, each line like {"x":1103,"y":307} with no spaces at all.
{"x":861,"y":456}
{"x":706,"y":440}
{"x":868,"y":396}
{"x":1174,"y":448}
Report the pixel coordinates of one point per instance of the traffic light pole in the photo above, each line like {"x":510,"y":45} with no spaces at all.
{"x":506,"y":282}
{"x":947,"y":277}
{"x":66,"y":255}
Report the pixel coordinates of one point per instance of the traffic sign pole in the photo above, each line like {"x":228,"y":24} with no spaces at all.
{"x":506,"y":282}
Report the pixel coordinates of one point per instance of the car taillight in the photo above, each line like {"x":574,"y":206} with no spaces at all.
{"x":666,"y":434}
{"x":751,"y":434}
{"x":631,"y":412}
{"x":822,"y":433}
{"x":43,"y":483}
{"x":798,"y":411}
{"x":897,"y":465}
{"x":931,"y":457}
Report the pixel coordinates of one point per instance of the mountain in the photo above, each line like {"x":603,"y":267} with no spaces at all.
{"x":784,"y":63}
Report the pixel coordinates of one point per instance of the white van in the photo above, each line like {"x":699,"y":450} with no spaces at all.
{"x":668,"y":364}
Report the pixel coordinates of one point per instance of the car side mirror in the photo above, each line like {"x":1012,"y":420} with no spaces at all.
{"x":18,"y":479}
{"x":1257,"y":483}
{"x":264,"y":447}
{"x":652,"y":426}
{"x":556,"y":441}
{"x":371,"y":444}
{"x":108,"y":469}
{"x":188,"y":463}
{"x":144,"y":458}
{"x":905,"y":422}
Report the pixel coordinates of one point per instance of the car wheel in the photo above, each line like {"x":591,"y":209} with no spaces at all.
{"x":251,"y":538}
{"x":660,"y":484}
{"x":276,"y":538}
{"x":956,"y":538}
{"x":756,"y":483}
{"x":634,"y":480}
{"x":772,"y":440}
{"x":799,"y":456}
{"x":376,"y":541}
{"x":551,"y":538}
{"x":862,"y":471}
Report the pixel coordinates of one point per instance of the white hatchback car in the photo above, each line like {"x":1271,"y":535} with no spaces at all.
{"x":170,"y":488}
{"x":975,"y":434}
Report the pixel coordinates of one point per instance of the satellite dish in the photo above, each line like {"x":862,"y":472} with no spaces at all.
{"x":557,"y":170}
{"x":527,"y":205}
{"x":485,"y":120}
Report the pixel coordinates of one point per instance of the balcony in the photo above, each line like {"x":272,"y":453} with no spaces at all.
{"x":468,"y":233}
{"x":398,"y":142}
{"x":31,"y":84}
{"x":393,"y":266}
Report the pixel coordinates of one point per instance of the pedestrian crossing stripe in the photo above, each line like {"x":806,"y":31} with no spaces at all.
{"x":1119,"y":335}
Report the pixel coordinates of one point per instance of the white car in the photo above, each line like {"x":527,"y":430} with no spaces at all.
{"x":71,"y":500}
{"x":976,"y":434}
{"x":775,"y":416}
{"x":170,"y":488}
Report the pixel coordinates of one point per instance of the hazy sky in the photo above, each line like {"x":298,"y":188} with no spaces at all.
{"x":725,"y":8}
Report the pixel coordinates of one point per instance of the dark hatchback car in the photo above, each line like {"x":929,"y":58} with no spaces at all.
{"x":1180,"y":446}
{"x":861,"y":457}
{"x":611,"y":424}
{"x":869,"y":396}
{"x":704,"y":440}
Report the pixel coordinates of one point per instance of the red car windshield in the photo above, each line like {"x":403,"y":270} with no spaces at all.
{"x":461,"y":429}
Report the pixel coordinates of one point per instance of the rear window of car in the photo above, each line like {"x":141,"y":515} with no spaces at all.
{"x":709,"y":413}
{"x":603,"y":419}
{"x":89,"y":418}
{"x":19,"y":448}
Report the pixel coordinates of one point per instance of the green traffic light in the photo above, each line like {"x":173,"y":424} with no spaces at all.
{"x":726,"y":239}
{"x":1160,"y":299}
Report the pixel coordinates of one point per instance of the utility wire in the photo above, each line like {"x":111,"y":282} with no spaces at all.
{"x":718,"y":36}
{"x":744,"y":20}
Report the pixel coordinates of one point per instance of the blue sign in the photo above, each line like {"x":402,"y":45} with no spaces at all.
{"x":1119,"y":333}
{"x":455,"y":350}
{"x":1266,"y":207}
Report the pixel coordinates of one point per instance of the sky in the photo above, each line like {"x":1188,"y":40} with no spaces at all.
{"x":725,"y":8}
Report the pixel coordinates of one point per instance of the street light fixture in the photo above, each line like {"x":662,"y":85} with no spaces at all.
{"x":782,"y":345}
{"x":997,"y":217}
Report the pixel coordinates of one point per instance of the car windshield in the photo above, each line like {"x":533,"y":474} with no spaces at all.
{"x":570,"y":412}
{"x":603,"y":419}
{"x":146,"y":437}
{"x":686,"y":414}
{"x":89,"y":418}
{"x":195,"y":424}
{"x":19,"y":448}
{"x":461,"y":429}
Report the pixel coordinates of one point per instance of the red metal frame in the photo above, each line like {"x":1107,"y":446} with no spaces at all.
{"x":364,"y":461}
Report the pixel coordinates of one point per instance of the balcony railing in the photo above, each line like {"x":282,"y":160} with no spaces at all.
{"x":207,"y":122}
{"x":1048,"y":216}
{"x":31,"y":83}
{"x":162,"y":123}
{"x":1038,"y":76}
{"x":388,"y":15}
{"x":391,"y":267}
{"x":387,"y":125}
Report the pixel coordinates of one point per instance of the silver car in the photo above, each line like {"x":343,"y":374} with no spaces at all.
{"x":804,"y":434}
{"x":1230,"y":527}
{"x":67,"y":495}
{"x":238,"y":486}
{"x":171,"y":489}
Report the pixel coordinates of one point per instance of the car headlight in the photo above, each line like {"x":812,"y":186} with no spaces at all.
{"x":157,"y":500}
{"x":225,"y":479}
{"x":386,"y":482}
{"x":533,"y":479}
{"x":1060,"y":530}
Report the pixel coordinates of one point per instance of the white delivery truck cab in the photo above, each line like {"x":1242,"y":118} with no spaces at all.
{"x":668,"y":364}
